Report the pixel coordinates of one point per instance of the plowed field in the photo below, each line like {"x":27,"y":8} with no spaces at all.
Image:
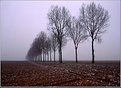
{"x":23,"y":73}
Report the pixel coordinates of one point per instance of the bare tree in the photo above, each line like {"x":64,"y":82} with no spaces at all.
{"x":95,"y":19}
{"x":54,"y":44}
{"x":34,"y":50}
{"x":77,"y":34}
{"x":42,"y":37}
{"x":46,"y":50}
{"x":48,"y":47}
{"x":58,"y":22}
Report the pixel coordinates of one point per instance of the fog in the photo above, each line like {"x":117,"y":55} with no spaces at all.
{"x":21,"y":21}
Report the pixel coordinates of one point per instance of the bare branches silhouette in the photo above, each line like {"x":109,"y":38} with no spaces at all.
{"x":95,"y":19}
{"x":91,"y":23}
{"x":59,"y":18}
{"x":77,"y":33}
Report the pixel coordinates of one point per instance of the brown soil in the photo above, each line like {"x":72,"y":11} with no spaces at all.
{"x":23,"y":73}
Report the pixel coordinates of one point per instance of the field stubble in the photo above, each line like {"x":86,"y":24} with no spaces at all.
{"x":23,"y":73}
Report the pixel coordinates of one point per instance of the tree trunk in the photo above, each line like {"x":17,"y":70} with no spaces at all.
{"x":60,"y":53}
{"x":43,"y":56}
{"x":47,"y":55}
{"x":54,"y":55}
{"x":93,"y":55}
{"x":76,"y":54}
{"x":37,"y":58}
{"x":50,"y":55}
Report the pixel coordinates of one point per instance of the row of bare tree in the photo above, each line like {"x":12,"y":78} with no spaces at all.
{"x":42,"y":47}
{"x":90,"y":23}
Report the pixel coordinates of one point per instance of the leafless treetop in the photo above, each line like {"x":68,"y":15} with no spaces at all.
{"x":95,"y":19}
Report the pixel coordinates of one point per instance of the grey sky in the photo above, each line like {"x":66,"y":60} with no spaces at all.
{"x":21,"y":21}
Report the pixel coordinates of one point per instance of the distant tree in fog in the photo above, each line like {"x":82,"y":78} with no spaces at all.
{"x":54,"y":44}
{"x":43,"y":38}
{"x":76,"y":33}
{"x":58,"y":22}
{"x":34,"y":50}
{"x":48,"y":46}
{"x":95,"y":20}
{"x":38,"y":47}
